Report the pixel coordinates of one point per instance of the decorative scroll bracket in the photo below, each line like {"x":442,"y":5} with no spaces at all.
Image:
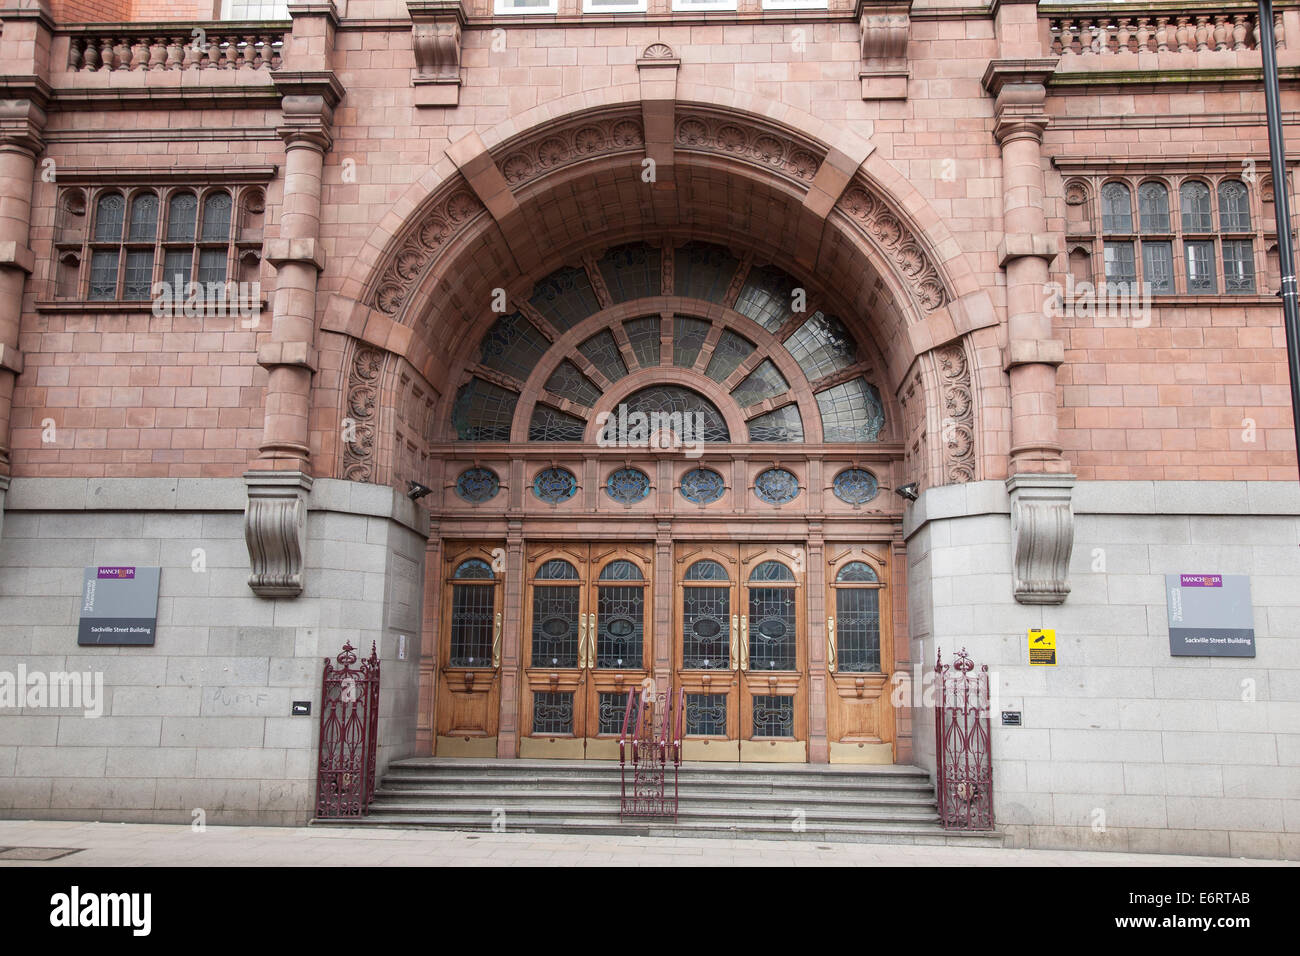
{"x":436,"y":27}
{"x":275,"y":529}
{"x":1042,"y":536}
{"x":884,"y":33}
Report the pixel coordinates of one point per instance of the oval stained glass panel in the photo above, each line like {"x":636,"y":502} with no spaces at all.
{"x":628,"y":485}
{"x":477,"y":485}
{"x":554,"y":485}
{"x":702,"y":486}
{"x":776,"y":486}
{"x":856,"y":486}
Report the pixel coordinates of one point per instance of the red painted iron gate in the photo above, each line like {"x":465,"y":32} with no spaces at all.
{"x":963,"y":758}
{"x":349,"y":731}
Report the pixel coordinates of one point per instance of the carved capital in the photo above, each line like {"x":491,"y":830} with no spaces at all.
{"x":1019,"y":88}
{"x":1042,"y":536}
{"x":307,"y":102}
{"x":22,"y":125}
{"x":275,"y":529}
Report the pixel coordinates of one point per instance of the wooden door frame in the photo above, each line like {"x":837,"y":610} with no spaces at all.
{"x":460,"y":681}
{"x":536,"y":680}
{"x":686,"y":554}
{"x":780,"y":683}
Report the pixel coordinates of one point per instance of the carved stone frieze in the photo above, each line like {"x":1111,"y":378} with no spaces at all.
{"x":759,"y":144}
{"x":275,"y":530}
{"x":361,"y":411}
{"x":420,"y":244}
{"x":887,"y":232}
{"x":523,"y":162}
{"x":957,"y":430}
{"x":1042,"y":536}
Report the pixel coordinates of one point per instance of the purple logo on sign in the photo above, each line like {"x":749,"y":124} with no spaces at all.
{"x":120,"y":574}
{"x":1201,"y":580}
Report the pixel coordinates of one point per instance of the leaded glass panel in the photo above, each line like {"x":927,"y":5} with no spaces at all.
{"x":513,"y":346}
{"x":643,"y":336}
{"x":1195,"y":199}
{"x":771,"y":628}
{"x":688,"y":339}
{"x":177,"y":264}
{"x":613,"y":710}
{"x":471,"y":625}
{"x":1201,"y":275}
{"x":702,"y":486}
{"x":821,"y":346}
{"x":706,"y":715}
{"x":1121,"y":269}
{"x":144,"y":218}
{"x":780,"y":424}
{"x":702,"y":270}
{"x":631,"y":271}
{"x":567,"y":382}
{"x":706,"y":571}
{"x":109,"y":213}
{"x":551,"y":424}
{"x":553,"y":712}
{"x":730,"y":351}
{"x":555,"y":625}
{"x":602,"y":351}
{"x":1234,"y":207}
{"x":1116,"y":209}
{"x":182,"y":215}
{"x":1238,"y":265}
{"x":216,"y":217}
{"x":212,"y":266}
{"x":483,"y":411}
{"x":138,"y":282}
{"x":621,"y":570}
{"x":477,"y":485}
{"x":771,"y":571}
{"x":857,"y":630}
{"x":706,"y":623}
{"x":851,"y":412}
{"x":565,"y":297}
{"x":776,"y":486}
{"x":475,"y":569}
{"x":1153,"y":207}
{"x":773,"y":715}
{"x":767,"y":297}
{"x":628,"y":485}
{"x":554,"y":485}
{"x":620,"y":625}
{"x":103,"y":273}
{"x":856,"y":572}
{"x":671,"y":404}
{"x":765,"y":382}
{"x":557,"y":569}
{"x":1158,"y":266}
{"x":856,"y":486}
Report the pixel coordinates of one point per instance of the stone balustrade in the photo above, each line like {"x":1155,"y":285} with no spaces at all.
{"x":176,"y":47}
{"x":1106,"y":33}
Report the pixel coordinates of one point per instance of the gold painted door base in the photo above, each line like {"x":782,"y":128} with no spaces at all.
{"x":466,"y":746}
{"x":561,"y":748}
{"x":774,"y":751}
{"x":709,"y":750}
{"x":602,"y":748}
{"x":861,"y":753}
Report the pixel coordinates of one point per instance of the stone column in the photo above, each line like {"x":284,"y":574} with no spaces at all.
{"x":1039,"y":482}
{"x":512,"y":643}
{"x":820,"y":684}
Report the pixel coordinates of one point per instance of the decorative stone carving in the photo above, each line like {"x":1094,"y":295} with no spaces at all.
{"x":884,"y":33}
{"x":524,"y":162}
{"x":436,"y":41}
{"x":1042,"y":536}
{"x":957,"y":430}
{"x":888,"y":233}
{"x":275,"y":530}
{"x":421,"y":243}
{"x":360,"y":413}
{"x":759,"y":144}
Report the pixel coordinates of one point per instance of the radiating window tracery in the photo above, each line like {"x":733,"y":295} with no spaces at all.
{"x":730,"y":351}
{"x":513,"y":346}
{"x":631,"y":271}
{"x":551,"y":424}
{"x":643,"y":336}
{"x":567,"y":382}
{"x":688,"y":339}
{"x":702,"y":270}
{"x":782,"y":424}
{"x":851,"y":412}
{"x":821,"y":346}
{"x":565,"y":297}
{"x":764,"y":382}
{"x":602,"y":351}
{"x":767,"y":296}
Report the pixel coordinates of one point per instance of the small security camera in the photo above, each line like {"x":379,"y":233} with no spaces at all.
{"x":907,"y":491}
{"x":417,"y":491}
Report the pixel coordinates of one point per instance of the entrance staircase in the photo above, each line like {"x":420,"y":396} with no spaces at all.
{"x":867,"y":804}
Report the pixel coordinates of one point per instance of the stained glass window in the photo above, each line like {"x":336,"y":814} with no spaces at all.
{"x":771,"y":628}
{"x":776,"y":486}
{"x":1195,"y":199}
{"x":780,"y":424}
{"x":472,"y":612}
{"x":851,"y":412}
{"x":1116,"y":209}
{"x":602,"y":351}
{"x":1234,"y":206}
{"x":182,"y":215}
{"x":557,"y":569}
{"x":138,"y":280}
{"x":706,"y":571}
{"x":555,"y":625}
{"x":551,"y":424}
{"x":483,"y":411}
{"x":672,"y":403}
{"x":477,"y":484}
{"x":1153,"y":207}
{"x":620,"y":625}
{"x":1201,"y":274}
{"x":821,"y":346}
{"x":1121,"y":268}
{"x":702,"y":270}
{"x":767,"y":297}
{"x":109,"y":212}
{"x":856,"y":486}
{"x":628,"y":485}
{"x":643,"y":336}
{"x":613,"y":709}
{"x":567,"y":382}
{"x":706,"y":623}
{"x":773,"y":715}
{"x":1158,"y":266}
{"x":706,"y":715}
{"x":103,"y":273}
{"x":1238,"y":265}
{"x":565,"y":297}
{"x":771,"y":571}
{"x":702,"y":486}
{"x":513,"y":346}
{"x":216,"y":217}
{"x":688,"y":339}
{"x":856,"y":572}
{"x":474,"y":569}
{"x":212,"y":265}
{"x":553,"y":712}
{"x":766,"y":381}
{"x":621,"y":570}
{"x":730,"y":351}
{"x":631,"y":271}
{"x":144,"y":218}
{"x":857,"y":630}
{"x":554,"y":485}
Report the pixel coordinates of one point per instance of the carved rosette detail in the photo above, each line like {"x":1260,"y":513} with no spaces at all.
{"x":421,"y":245}
{"x":761,"y":146}
{"x":364,"y":378}
{"x":887,"y":232}
{"x":523,"y":163}
{"x":958,"y":428}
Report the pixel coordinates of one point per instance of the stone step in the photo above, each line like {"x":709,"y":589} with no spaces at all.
{"x":493,"y":766}
{"x":810,"y":789}
{"x":715,"y":816}
{"x":716,"y":797}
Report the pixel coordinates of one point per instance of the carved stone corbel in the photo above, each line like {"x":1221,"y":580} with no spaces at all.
{"x":884,"y":30}
{"x":436,"y":40}
{"x":1042,"y":536}
{"x":275,"y":529}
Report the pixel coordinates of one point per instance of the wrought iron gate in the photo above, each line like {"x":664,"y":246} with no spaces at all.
{"x":349,"y":731}
{"x":652,"y":732}
{"x":962,"y":756}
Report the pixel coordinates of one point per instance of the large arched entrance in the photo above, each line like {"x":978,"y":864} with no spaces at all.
{"x":661,"y":417}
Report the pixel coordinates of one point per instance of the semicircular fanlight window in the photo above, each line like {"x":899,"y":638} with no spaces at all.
{"x":551,"y":424}
{"x":565,"y":297}
{"x":703,"y":270}
{"x":631,"y":271}
{"x":513,"y":346}
{"x":670,"y":408}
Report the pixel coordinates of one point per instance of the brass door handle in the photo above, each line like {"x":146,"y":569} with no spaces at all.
{"x":735,"y":639}
{"x":496,"y":641}
{"x":744,"y":642}
{"x":582,"y":641}
{"x":830,"y":644}
{"x":591,"y":640}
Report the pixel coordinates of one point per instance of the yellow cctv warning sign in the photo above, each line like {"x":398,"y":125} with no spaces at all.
{"x":1042,"y":646}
